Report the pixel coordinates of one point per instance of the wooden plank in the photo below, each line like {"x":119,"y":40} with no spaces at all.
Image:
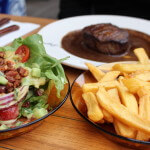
{"x":62,"y":134}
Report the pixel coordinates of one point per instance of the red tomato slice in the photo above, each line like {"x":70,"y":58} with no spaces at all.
{"x":24,"y":52}
{"x":9,"y":113}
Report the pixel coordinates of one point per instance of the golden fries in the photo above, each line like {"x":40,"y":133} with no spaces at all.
{"x":144,"y":112}
{"x":128,"y":99}
{"x":107,"y":116}
{"x":93,"y":87}
{"x":124,"y":115}
{"x":121,"y":96}
{"x":114,"y":94}
{"x":129,"y":68}
{"x":124,"y":130}
{"x":143,"y":91}
{"x":144,"y":75}
{"x":97,"y":73}
{"x":110,"y":76}
{"x":94,"y":111}
{"x":130,"y":102}
{"x":134,"y":84}
{"x":141,"y":55}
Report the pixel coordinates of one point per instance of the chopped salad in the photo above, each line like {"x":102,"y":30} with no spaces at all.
{"x":26,"y":73}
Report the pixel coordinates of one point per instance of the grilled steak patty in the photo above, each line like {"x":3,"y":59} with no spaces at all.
{"x":106,"y":38}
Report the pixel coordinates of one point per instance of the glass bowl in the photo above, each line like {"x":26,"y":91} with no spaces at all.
{"x":105,"y":129}
{"x":16,"y":131}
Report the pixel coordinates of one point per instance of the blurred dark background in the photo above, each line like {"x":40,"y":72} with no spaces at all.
{"x":58,"y":9}
{"x":43,"y":8}
{"x":135,"y":8}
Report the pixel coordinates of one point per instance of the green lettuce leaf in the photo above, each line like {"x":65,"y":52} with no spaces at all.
{"x":51,"y":68}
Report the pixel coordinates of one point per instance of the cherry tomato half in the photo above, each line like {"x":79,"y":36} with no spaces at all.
{"x":24,"y":52}
{"x":9,"y":113}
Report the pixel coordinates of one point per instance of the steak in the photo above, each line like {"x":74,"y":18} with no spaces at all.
{"x":106,"y":38}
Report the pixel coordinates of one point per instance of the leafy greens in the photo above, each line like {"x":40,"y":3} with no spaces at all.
{"x":50,"y":67}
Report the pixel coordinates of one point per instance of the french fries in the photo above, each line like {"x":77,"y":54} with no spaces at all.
{"x":128,"y":99}
{"x":97,"y":73}
{"x":134,"y":84}
{"x":94,"y":111}
{"x":114,"y":94}
{"x":129,"y":68}
{"x":93,"y":87}
{"x":121,"y":96}
{"x":141,"y":55}
{"x":110,"y":76}
{"x":144,"y":75}
{"x":144,"y":107}
{"x":124,"y":130}
{"x":124,"y":115}
{"x":107,"y":116}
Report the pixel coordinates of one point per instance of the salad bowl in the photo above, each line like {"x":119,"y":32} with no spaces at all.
{"x":33,"y":86}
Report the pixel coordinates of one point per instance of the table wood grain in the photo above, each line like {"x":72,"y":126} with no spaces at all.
{"x":65,"y":129}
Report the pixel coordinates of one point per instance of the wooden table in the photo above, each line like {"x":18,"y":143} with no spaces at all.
{"x":65,"y":129}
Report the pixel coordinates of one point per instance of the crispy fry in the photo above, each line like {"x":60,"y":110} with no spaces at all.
{"x":123,"y":129}
{"x":144,"y":112}
{"x":109,"y":66}
{"x":128,"y":99}
{"x":143,"y":91}
{"x":134,"y":84}
{"x":101,"y":121}
{"x":141,"y":55}
{"x":97,"y":73}
{"x":94,"y":112}
{"x":142,"y":75}
{"x":93,"y":87}
{"x":121,"y":113}
{"x":128,"y":68}
{"x":116,"y":127}
{"x":114,"y":94}
{"x":107,"y":116}
{"x":110,"y":76}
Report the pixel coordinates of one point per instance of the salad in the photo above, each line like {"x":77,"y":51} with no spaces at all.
{"x":26,"y":76}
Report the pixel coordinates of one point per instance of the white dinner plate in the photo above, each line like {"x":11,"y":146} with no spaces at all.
{"x":54,"y":32}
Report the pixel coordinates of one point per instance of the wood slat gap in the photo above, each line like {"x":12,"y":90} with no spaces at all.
{"x":68,"y":118}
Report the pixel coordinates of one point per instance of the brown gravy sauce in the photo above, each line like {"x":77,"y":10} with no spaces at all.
{"x":73,"y":43}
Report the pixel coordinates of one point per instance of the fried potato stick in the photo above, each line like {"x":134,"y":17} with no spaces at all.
{"x":141,"y":55}
{"x":143,"y":91}
{"x":93,"y":87}
{"x":129,"y":68}
{"x":121,"y":113}
{"x":123,"y":129}
{"x":128,"y":100}
{"x":94,"y":112}
{"x":142,"y":75}
{"x":134,"y":84}
{"x":97,"y":73}
{"x":112,"y":93}
{"x":110,"y":76}
{"x":144,"y":112}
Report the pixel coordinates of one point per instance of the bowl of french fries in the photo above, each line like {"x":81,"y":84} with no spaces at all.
{"x":115,"y":98}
